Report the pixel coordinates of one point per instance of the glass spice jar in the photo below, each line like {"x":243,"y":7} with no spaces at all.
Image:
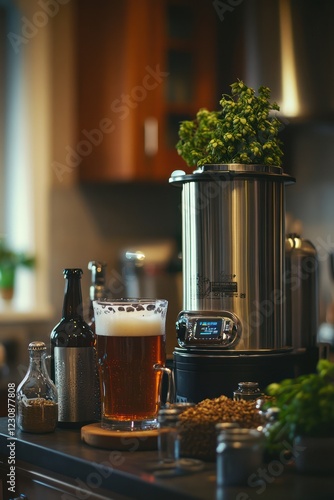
{"x":248,"y":391}
{"x":36,"y":395}
{"x":169,"y":443}
{"x":169,"y":438}
{"x":168,"y":435}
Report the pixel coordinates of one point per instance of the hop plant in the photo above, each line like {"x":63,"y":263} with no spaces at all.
{"x":244,"y":130}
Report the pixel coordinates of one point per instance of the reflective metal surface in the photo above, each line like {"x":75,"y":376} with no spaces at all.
{"x":301,"y":279}
{"x":288,"y":46}
{"x":233,"y":249}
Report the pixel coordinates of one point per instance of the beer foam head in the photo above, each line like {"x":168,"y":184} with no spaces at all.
{"x":130,"y":318}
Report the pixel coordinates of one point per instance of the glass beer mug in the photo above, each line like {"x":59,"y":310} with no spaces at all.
{"x":131,"y":347}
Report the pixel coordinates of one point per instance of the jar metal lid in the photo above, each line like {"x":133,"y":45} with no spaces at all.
{"x":241,"y":435}
{"x":223,"y":426}
{"x":168,"y":415}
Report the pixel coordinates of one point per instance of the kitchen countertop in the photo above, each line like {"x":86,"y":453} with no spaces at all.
{"x":130,"y":473}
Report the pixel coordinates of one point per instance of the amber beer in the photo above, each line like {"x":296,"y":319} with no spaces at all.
{"x":130,"y":342}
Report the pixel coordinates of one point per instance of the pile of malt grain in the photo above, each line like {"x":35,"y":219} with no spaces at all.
{"x":197,"y":424}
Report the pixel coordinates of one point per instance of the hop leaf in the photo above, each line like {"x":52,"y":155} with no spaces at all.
{"x":244,"y":121}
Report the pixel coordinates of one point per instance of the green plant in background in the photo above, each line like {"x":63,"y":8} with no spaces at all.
{"x":9,"y":262}
{"x":243,"y":131}
{"x":306,"y":406}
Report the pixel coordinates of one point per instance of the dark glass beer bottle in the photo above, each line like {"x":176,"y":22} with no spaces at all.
{"x":73,"y":359}
{"x":97,"y":289}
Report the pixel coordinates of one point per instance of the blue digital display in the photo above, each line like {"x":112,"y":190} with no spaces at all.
{"x":208,"y":328}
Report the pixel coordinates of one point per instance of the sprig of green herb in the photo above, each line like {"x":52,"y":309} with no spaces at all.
{"x":306,"y":405}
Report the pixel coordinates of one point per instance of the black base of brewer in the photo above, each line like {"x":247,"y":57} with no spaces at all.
{"x":201,"y":374}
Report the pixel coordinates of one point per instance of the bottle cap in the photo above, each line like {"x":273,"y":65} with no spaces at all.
{"x":73,"y":272}
{"x":37,"y":345}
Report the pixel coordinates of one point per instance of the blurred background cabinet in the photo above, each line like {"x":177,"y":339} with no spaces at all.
{"x":142,"y":68}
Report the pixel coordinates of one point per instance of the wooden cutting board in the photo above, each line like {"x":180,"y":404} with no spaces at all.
{"x":95,"y":435}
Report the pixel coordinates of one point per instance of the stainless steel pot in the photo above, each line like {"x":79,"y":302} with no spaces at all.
{"x":233,"y":255}
{"x":301,"y":280}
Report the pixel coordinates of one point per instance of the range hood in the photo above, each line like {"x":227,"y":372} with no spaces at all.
{"x":289,"y":47}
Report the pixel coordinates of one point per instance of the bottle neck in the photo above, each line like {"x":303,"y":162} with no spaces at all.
{"x":37,"y":362}
{"x":72,"y":306}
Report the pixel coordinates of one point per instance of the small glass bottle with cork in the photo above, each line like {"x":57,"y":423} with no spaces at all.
{"x":36,"y":395}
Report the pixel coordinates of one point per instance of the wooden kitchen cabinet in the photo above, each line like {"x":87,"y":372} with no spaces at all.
{"x":142,"y":68}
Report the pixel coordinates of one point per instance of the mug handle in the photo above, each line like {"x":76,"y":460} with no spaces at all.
{"x":170,"y":397}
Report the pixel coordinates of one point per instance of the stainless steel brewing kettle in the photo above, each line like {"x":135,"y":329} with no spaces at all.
{"x":301,"y":281}
{"x":233,"y":257}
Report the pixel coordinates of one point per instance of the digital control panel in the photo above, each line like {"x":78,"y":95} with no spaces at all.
{"x":208,"y":328}
{"x":212,"y":329}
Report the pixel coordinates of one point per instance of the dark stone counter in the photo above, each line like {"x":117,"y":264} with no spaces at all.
{"x":130,"y":474}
